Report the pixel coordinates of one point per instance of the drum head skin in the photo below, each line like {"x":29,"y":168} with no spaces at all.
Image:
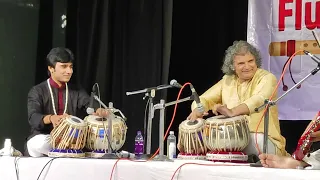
{"x":192,"y":125}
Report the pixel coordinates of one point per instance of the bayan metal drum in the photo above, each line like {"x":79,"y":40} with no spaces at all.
{"x":226,"y":138}
{"x":68,"y":138}
{"x":190,"y":142}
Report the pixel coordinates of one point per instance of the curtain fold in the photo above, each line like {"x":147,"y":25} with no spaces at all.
{"x":123,"y":46}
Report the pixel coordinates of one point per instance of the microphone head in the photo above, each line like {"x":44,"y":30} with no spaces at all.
{"x":90,"y":110}
{"x":175,"y":83}
{"x":285,"y":88}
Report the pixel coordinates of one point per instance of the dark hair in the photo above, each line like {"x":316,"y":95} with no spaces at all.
{"x":59,"y":54}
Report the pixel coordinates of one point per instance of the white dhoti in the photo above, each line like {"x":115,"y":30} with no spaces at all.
{"x":252,"y":149}
{"x":39,"y":145}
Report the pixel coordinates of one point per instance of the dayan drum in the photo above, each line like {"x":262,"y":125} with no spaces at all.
{"x":97,"y":140}
{"x":190,"y":142}
{"x":226,"y":138}
{"x":68,"y":139}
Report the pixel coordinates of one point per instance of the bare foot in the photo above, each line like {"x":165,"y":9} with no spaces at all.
{"x":274,"y":161}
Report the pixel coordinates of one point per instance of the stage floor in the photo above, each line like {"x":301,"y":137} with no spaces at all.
{"x":27,"y":168}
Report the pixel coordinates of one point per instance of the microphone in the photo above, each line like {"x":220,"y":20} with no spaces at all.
{"x":175,"y":83}
{"x":313,"y":57}
{"x":90,"y":109}
{"x":125,"y":154}
{"x":197,"y":99}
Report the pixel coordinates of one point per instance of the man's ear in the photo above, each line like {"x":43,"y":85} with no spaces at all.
{"x":50,"y":69}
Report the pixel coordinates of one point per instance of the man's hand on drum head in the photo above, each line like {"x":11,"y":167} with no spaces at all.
{"x":225,"y":111}
{"x":57,"y":119}
{"x":101,"y":112}
{"x":214,"y":109}
{"x":195,"y":114}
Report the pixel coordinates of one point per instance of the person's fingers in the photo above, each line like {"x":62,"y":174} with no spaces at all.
{"x":263,"y":156}
{"x":315,"y":134}
{"x":315,"y":139}
{"x":192,"y":116}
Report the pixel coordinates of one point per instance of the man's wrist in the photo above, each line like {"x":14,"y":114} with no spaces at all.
{"x":232,"y":112}
{"x":47,"y":119}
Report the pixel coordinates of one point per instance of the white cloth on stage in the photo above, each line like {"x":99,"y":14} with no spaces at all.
{"x":39,"y":145}
{"x":29,"y":168}
{"x":313,"y":160}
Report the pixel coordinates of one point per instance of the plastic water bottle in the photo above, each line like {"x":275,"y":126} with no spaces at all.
{"x":139,"y":145}
{"x":7,"y":149}
{"x":171,"y":145}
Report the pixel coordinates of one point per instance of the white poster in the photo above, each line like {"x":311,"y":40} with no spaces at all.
{"x":280,"y":28}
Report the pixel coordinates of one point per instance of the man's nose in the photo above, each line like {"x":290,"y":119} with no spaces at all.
{"x":69,"y":70}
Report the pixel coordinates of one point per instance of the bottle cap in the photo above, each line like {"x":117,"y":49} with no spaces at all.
{"x":171,"y":132}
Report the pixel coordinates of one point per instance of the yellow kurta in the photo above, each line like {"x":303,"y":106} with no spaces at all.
{"x":231,"y":92}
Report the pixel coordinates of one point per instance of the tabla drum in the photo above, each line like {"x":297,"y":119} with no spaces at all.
{"x":226,"y":138}
{"x":190,"y":142}
{"x":97,"y":140}
{"x":68,"y":138}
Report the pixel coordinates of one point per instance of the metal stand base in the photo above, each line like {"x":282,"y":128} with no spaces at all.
{"x":257,"y":164}
{"x":144,"y":157}
{"x":109,"y":156}
{"x":162,"y":158}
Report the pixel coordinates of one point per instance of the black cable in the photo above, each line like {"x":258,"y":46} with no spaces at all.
{"x":51,"y":160}
{"x":292,"y":76}
{"x":104,"y":127}
{"x":16,"y":167}
{"x":105,"y":131}
{"x":285,"y":87}
{"x":145,"y":120}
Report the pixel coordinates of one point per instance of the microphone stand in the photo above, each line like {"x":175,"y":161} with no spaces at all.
{"x":161,"y":106}
{"x":109,"y":154}
{"x":268,"y":103}
{"x":150,"y":93}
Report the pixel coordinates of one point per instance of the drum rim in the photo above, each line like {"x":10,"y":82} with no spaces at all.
{"x":69,"y":120}
{"x":192,"y":127}
{"x":230,"y":120}
{"x":92,"y":121}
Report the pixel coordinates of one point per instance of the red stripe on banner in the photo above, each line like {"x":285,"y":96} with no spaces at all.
{"x":283,"y":48}
{"x":291,"y":47}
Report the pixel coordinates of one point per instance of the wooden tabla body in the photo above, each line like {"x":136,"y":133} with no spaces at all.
{"x":190,"y":140}
{"x":97,"y":139}
{"x":68,"y":139}
{"x":226,"y":138}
